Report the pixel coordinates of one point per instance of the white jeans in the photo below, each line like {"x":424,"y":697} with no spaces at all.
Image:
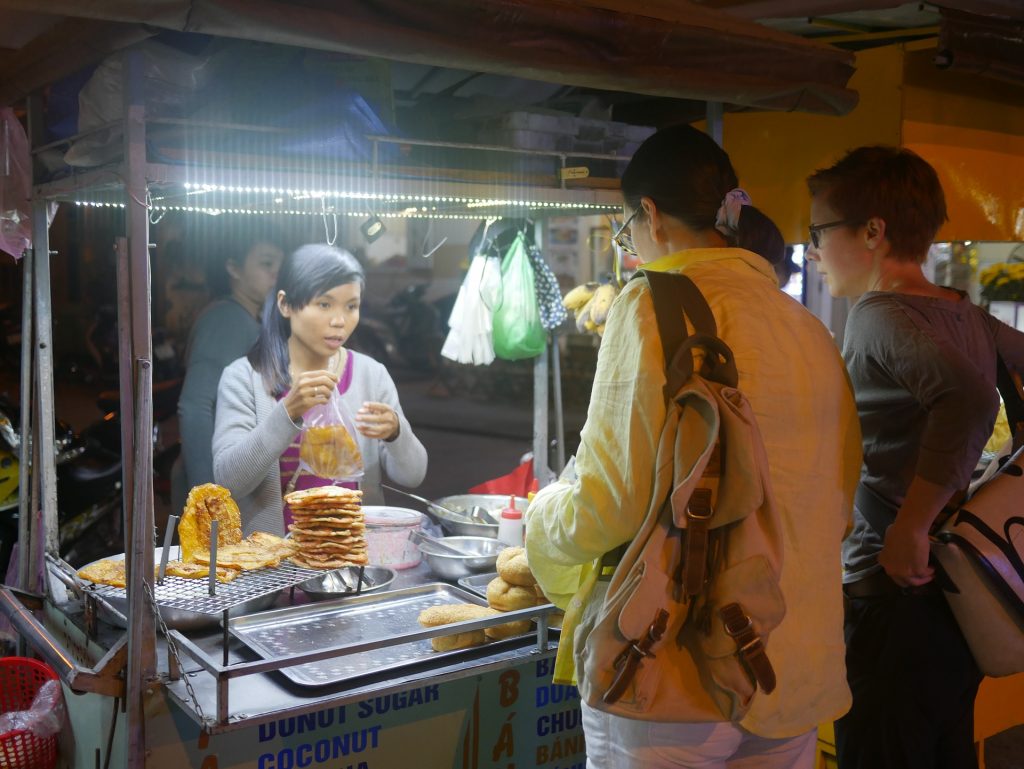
{"x":614,"y":742}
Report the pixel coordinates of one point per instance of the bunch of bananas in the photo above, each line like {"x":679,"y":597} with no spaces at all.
{"x":590,"y":303}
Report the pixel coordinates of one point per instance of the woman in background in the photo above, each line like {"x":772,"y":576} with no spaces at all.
{"x":922,"y":360}
{"x":299,"y":359}
{"x":225,"y":330}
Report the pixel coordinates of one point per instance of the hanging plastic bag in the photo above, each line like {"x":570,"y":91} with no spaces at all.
{"x":327,"y":445}
{"x":15,"y":186}
{"x":518,"y":332}
{"x":549,"y":294}
{"x":470,"y":336}
{"x":44,"y":718}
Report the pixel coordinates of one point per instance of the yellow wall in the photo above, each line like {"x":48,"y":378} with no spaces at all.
{"x":969,"y":127}
{"x":775,"y":152}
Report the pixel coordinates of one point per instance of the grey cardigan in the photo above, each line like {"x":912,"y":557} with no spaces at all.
{"x":253,"y":429}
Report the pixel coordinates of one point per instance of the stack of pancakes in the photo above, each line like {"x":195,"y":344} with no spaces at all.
{"x":329,"y":528}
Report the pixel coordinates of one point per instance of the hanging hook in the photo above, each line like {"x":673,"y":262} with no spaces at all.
{"x":331,"y":239}
{"x":149,"y":207}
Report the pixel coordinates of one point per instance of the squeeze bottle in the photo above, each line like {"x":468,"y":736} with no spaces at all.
{"x":510,"y":525}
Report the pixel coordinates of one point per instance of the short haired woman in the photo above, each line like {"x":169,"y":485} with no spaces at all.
{"x":922,"y":361}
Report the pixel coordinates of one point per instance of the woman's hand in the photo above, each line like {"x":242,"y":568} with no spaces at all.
{"x":309,"y":389}
{"x":377,"y":420}
{"x":904,"y":555}
{"x":905,"y":552}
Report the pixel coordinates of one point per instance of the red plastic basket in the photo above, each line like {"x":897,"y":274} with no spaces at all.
{"x":20,"y":680}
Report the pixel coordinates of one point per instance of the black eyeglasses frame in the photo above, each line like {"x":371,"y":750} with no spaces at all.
{"x":815,"y":229}
{"x":623,"y":239}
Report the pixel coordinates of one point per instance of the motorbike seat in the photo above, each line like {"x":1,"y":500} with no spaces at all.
{"x":91,"y":467}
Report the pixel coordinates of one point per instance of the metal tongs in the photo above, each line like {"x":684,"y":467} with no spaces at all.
{"x":436,"y":545}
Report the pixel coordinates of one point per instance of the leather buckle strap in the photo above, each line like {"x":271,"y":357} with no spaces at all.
{"x":629,"y":659}
{"x":749,"y":646}
{"x":695,"y":557}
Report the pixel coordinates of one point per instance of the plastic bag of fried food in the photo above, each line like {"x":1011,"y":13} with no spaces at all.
{"x":327,"y":446}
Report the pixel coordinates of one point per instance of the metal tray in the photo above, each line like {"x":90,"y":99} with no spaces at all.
{"x":192,"y":596}
{"x":477,"y":583}
{"x":362,"y":619}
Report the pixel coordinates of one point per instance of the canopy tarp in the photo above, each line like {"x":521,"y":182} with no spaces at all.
{"x":677,"y":50}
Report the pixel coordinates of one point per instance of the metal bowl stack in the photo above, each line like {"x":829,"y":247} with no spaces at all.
{"x":482,"y":557}
{"x":463,"y":503}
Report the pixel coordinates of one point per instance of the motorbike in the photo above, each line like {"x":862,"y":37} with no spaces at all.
{"x":407,"y":332}
{"x":106,"y":432}
{"x":89,"y":495}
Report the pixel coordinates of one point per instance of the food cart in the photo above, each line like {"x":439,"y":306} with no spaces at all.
{"x":143,"y":693}
{"x":143,"y":687}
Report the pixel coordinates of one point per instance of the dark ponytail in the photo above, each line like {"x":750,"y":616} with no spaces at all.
{"x":688,"y":176}
{"x":757,"y":233}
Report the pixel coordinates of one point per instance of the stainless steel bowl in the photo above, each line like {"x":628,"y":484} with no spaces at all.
{"x":463,"y":503}
{"x":451,"y":567}
{"x":338,"y":583}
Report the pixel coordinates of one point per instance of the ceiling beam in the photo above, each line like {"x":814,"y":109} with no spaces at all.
{"x":712,"y":56}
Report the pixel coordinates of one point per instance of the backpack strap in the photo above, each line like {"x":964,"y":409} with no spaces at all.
{"x":676,"y":298}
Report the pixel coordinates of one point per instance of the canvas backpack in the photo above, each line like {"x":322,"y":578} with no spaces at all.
{"x":680,"y":632}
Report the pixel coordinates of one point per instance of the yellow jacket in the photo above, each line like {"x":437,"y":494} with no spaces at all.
{"x":792,"y":374}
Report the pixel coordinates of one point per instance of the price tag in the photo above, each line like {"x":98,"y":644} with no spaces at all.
{"x":575,"y":172}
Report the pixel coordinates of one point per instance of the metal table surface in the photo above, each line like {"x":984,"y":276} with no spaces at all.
{"x":266,"y":697}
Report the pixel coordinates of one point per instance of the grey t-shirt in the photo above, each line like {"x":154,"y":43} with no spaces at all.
{"x":225,"y":331}
{"x":923,"y":371}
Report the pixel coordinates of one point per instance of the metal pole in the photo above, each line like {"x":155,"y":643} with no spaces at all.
{"x":556,"y":382}
{"x":541,"y":468}
{"x":136,"y":411}
{"x":44,"y":427}
{"x":541,"y":471}
{"x":141,"y":636}
{"x":716,"y":113}
{"x":25,"y":530}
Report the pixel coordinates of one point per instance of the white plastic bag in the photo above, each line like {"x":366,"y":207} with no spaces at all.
{"x":45,"y":716}
{"x":470,"y":338}
{"x":15,"y":186}
{"x":171,"y":77}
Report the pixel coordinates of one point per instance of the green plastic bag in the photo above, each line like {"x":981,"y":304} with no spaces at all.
{"x":517,"y":330}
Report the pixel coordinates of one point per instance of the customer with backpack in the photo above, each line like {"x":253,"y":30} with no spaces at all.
{"x":684,"y":214}
{"x":922,"y":361}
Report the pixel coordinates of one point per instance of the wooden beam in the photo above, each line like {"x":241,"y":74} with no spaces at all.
{"x":697,"y":54}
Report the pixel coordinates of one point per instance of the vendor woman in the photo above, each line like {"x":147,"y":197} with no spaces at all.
{"x":297,"y":362}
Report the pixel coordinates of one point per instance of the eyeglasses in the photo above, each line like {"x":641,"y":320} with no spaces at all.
{"x":816,"y":229}
{"x":623,"y":239}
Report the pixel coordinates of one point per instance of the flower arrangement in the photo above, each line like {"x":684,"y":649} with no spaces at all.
{"x":1003,"y":282}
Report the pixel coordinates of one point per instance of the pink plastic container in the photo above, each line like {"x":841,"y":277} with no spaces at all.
{"x":387,"y":536}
